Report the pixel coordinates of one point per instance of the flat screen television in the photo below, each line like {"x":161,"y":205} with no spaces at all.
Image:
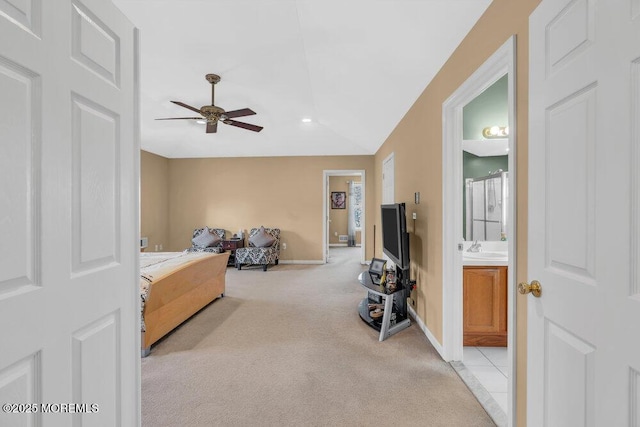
{"x":395,"y":239}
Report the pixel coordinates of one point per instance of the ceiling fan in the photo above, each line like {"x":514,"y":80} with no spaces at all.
{"x":213,"y":114}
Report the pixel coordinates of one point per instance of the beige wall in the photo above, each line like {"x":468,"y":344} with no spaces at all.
{"x":339,"y":217}
{"x":417,"y":144}
{"x":235,"y":193}
{"x":154,"y":199}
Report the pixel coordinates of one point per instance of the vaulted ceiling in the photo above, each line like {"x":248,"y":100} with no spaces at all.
{"x":351,"y":67}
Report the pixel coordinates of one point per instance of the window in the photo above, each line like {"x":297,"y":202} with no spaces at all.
{"x":357,"y":204}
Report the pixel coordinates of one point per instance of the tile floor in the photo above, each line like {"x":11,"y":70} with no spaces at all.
{"x":489,"y":366}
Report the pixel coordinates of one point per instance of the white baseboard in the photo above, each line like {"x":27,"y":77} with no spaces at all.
{"x":300,"y":261}
{"x":434,"y":342}
{"x":337,"y":245}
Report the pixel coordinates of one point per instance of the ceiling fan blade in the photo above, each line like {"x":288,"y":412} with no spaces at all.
{"x":243,"y":125}
{"x":239,"y":113}
{"x":182,"y":104}
{"x":181,"y":118}
{"x":212,"y":127}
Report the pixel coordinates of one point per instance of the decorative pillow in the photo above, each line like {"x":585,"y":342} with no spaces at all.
{"x":262,"y":239}
{"x":206,"y":239}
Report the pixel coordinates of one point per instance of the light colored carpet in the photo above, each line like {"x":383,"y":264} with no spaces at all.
{"x":286,"y":347}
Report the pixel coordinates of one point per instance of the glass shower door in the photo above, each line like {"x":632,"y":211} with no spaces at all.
{"x":486,"y":207}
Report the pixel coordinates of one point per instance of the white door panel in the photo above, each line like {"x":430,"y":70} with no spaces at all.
{"x":583,"y":125}
{"x":68,"y":212}
{"x":20,"y":241}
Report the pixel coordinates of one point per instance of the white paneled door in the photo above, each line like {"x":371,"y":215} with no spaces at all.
{"x":584,"y":213}
{"x":69,"y":334}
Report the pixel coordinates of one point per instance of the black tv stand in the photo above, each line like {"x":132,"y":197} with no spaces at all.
{"x":395,"y":316}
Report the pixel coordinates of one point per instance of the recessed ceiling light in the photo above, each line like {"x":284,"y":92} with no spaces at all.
{"x":306,"y":120}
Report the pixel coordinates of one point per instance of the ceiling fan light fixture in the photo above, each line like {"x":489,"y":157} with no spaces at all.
{"x":212,"y":114}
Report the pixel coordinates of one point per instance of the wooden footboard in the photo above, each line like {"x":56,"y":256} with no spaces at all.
{"x":176,"y":297}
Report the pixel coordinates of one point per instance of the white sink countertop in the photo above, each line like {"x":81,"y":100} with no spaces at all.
{"x":490,"y":254}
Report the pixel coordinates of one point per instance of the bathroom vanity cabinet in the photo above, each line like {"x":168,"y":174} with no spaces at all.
{"x":485,"y":306}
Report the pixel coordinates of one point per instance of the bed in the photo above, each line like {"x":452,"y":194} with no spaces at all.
{"x":174,"y":286}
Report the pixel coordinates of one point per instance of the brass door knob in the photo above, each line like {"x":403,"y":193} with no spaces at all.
{"x":534,"y":288}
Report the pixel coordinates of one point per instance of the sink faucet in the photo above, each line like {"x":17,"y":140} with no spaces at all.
{"x":475,"y":247}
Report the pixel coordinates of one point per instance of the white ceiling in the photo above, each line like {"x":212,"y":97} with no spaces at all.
{"x":486,"y":147}
{"x":353,"y":66}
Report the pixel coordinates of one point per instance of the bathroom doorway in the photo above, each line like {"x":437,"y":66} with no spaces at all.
{"x":479,"y":201}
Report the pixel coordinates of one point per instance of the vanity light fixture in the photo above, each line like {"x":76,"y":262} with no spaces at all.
{"x":495,"y":132}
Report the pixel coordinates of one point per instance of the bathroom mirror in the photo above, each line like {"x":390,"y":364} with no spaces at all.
{"x":485,"y":164}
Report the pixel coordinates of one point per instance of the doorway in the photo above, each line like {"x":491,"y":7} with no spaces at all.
{"x":343,"y":213}
{"x":499,"y":65}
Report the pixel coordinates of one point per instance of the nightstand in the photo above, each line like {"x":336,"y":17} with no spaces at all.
{"x":231,"y":245}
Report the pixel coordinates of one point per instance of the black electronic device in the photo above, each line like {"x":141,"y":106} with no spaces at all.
{"x":395,"y":239}
{"x":377,"y":271}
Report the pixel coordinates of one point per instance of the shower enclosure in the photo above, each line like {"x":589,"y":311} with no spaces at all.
{"x":486,"y":206}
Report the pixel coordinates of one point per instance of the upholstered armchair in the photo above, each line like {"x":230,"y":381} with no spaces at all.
{"x":210,"y":242}
{"x":263,"y":249}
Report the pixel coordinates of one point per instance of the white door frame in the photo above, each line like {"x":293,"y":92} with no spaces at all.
{"x":389,"y":198}
{"x":388,"y":193}
{"x":500,"y":63}
{"x":325,"y":196}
